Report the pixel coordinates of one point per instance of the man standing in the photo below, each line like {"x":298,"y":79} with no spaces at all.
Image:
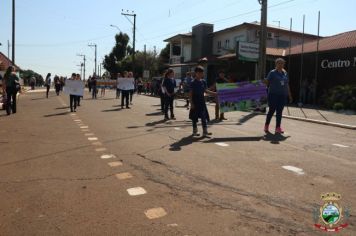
{"x":48,"y":83}
{"x":168,"y":86}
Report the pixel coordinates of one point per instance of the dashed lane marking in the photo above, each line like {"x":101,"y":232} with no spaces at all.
{"x":92,"y":138}
{"x":89,"y":134}
{"x":84,"y":127}
{"x":222,"y":144}
{"x":101,"y":149}
{"x":85,"y":130}
{"x":107,"y":156}
{"x":155,"y":213}
{"x":97,"y":144}
{"x":340,"y":145}
{"x":123,"y":176}
{"x":115,"y":164}
{"x":136,"y":191}
{"x":294,"y":169}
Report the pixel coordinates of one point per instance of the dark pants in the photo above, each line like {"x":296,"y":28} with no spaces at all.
{"x":168,"y":103}
{"x":48,"y":86}
{"x":78,"y":100}
{"x":73,"y":100}
{"x":94,"y":92}
{"x":125,"y":96}
{"x":204,"y":123}
{"x":118,"y":91}
{"x":162,"y":101}
{"x":131,"y":94}
{"x":276,"y":104}
{"x":58,"y":88}
{"x":11,"y":96}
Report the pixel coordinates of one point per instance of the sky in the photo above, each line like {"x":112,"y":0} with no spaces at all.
{"x":51,"y":33}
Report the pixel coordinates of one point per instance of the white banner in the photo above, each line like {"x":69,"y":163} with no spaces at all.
{"x":247,"y":51}
{"x":74,"y":87}
{"x":126,"y":83}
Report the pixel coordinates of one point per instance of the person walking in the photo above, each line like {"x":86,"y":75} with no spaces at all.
{"x":93,"y":87}
{"x":78,"y":97}
{"x":198,"y":107}
{"x":168,"y":86}
{"x":278,"y":91}
{"x":73,"y":98}
{"x":48,"y":83}
{"x":57,"y":84}
{"x":125,"y":86}
{"x":11,"y":86}
{"x":132,"y":86}
{"x":219,"y":80}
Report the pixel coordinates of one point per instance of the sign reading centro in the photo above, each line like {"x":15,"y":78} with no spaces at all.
{"x":328,"y":64}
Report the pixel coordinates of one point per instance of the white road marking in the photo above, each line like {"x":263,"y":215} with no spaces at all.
{"x":340,"y":145}
{"x":85,"y":130}
{"x":136,"y":191}
{"x":78,"y":120}
{"x":123,"y":176}
{"x":294,"y":169}
{"x":92,"y":138}
{"x":107,"y":156}
{"x":84,"y":127}
{"x":89,"y":134}
{"x":115,"y":163}
{"x":177,"y":128}
{"x":172,"y":225}
{"x":155,"y":213}
{"x":100,"y":149}
{"x":222,"y":144}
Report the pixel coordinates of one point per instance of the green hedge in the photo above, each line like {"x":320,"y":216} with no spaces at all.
{"x":340,"y":97}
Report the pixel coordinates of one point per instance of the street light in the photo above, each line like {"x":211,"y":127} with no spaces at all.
{"x":134,"y":36}
{"x":115,"y":26}
{"x":81,"y":55}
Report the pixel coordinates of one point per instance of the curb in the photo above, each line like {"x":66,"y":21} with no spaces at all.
{"x":352,"y":127}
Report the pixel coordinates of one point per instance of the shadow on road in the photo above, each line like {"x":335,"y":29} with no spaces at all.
{"x":275,"y":138}
{"x":247,"y":118}
{"x":59,"y":108}
{"x":234,"y":139}
{"x":155,"y":122}
{"x":177,"y":146}
{"x":33,"y":99}
{"x":110,"y":110}
{"x":154,"y":114}
{"x":57,"y":114}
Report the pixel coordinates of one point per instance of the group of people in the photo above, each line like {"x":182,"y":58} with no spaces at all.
{"x":10,"y":86}
{"x":194,"y":88}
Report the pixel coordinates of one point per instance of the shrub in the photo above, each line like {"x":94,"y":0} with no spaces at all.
{"x":338,"y":106}
{"x":340,"y":97}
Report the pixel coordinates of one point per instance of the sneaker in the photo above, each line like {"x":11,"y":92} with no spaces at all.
{"x":266,"y":128}
{"x":195,"y":133}
{"x":279,"y":130}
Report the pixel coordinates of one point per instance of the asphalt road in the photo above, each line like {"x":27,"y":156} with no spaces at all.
{"x":58,"y":171}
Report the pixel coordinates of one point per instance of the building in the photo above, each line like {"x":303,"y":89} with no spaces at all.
{"x":330,"y":64}
{"x":220,"y":48}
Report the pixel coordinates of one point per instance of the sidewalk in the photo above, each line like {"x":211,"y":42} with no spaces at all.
{"x":344,"y":119}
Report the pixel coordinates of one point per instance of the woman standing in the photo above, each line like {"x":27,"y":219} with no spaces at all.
{"x":72,"y":97}
{"x":278,"y":91}
{"x":48,"y":83}
{"x":198,"y":107}
{"x":168,"y":86}
{"x":11,"y":86}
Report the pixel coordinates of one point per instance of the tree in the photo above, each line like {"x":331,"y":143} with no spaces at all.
{"x":164,"y":58}
{"x":28,"y":74}
{"x":112,"y":61}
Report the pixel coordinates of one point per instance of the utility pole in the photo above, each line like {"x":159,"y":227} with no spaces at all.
{"x":13,"y":32}
{"x":81,"y":55}
{"x":94,"y":45}
{"x":134,"y":38}
{"x":263,"y":38}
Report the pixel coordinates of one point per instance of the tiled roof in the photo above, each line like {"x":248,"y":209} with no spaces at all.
{"x":5,"y":62}
{"x":339,"y":41}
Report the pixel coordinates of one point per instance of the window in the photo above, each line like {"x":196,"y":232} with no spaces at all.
{"x":227,"y":43}
{"x":283,"y":43}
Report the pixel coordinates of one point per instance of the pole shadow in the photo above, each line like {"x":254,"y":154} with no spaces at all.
{"x":111,"y":110}
{"x":154,"y":114}
{"x":235,"y":139}
{"x":59,"y":108}
{"x":154,"y":123}
{"x":57,"y":114}
{"x":247,"y":118}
